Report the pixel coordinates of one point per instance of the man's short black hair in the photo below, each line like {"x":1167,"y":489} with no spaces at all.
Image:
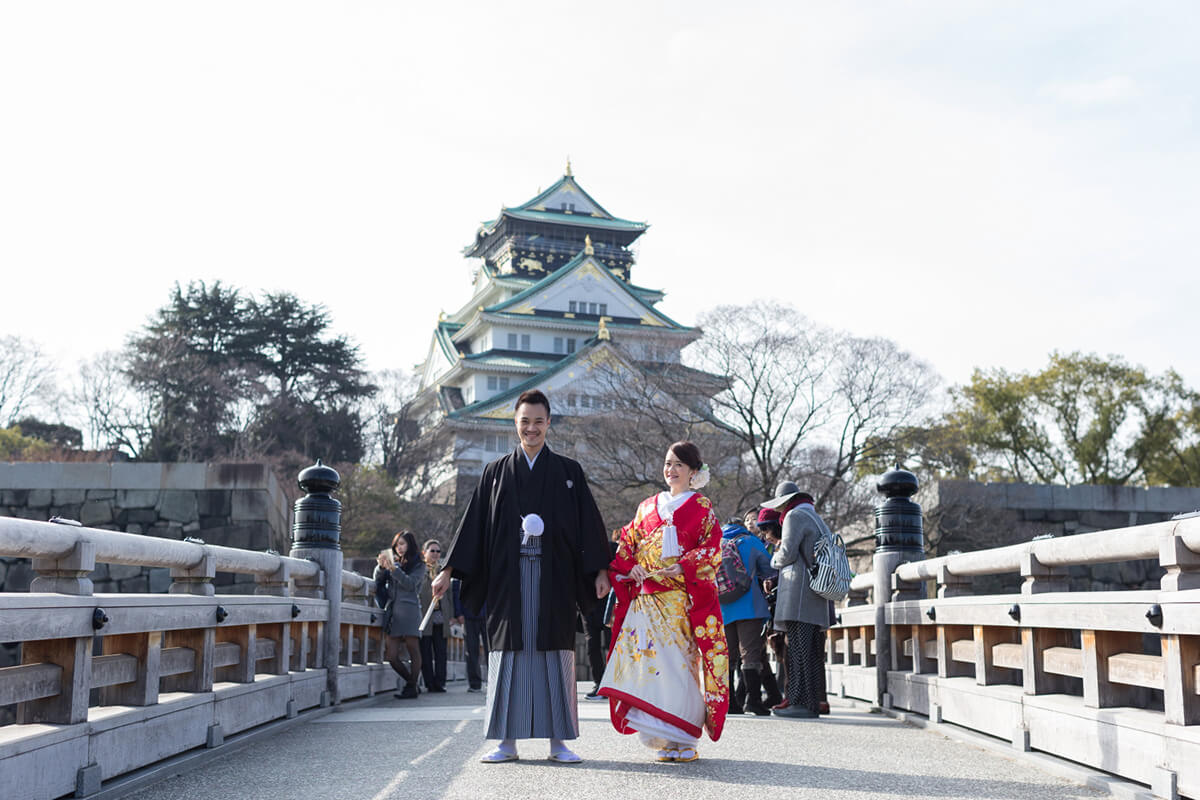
{"x":533,"y":397}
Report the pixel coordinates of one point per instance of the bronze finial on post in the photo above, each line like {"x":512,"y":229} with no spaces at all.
{"x":899,"y":538}
{"x":316,"y":536}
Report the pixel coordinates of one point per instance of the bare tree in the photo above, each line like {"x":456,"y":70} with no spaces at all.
{"x":878,"y":390}
{"x":402,"y":438}
{"x":112,"y":413}
{"x":26,"y":378}
{"x":806,"y":402}
{"x":633,"y":412}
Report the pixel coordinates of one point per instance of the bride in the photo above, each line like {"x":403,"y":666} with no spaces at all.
{"x":667,"y":675}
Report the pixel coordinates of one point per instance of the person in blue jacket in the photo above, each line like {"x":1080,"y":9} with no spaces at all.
{"x":746,"y":617}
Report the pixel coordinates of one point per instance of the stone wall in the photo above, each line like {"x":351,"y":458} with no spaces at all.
{"x":966,"y":516}
{"x":236,"y":505}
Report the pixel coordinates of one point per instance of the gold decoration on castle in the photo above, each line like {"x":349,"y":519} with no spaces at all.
{"x":588,"y":250}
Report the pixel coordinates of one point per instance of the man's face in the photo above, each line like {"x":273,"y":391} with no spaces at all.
{"x":533,"y":420}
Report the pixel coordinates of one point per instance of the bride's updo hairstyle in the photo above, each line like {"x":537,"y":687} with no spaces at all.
{"x":688,"y":453}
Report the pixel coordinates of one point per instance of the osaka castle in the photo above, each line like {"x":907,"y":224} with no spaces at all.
{"x":554,"y":307}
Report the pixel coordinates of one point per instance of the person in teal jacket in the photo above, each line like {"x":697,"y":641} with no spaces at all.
{"x":746,"y":617}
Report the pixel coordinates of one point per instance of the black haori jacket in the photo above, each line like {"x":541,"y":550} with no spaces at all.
{"x":485,"y":552}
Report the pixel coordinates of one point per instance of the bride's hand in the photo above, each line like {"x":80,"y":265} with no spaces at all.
{"x":671,"y":571}
{"x":638,"y":573}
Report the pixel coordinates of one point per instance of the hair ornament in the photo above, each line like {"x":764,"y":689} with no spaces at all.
{"x":701,"y":478}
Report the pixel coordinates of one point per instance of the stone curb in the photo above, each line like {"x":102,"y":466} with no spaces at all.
{"x":1110,"y":785}
{"x":134,"y":781}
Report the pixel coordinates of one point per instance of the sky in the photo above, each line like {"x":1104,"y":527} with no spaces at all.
{"x":982,"y":182}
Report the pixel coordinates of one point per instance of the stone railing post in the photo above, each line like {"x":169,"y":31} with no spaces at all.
{"x":1179,"y":652}
{"x":899,"y":538}
{"x":316,"y":536}
{"x":1040,"y":579}
{"x":68,"y":574}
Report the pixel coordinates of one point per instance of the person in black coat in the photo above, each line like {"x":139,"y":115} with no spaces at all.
{"x":531,"y":548}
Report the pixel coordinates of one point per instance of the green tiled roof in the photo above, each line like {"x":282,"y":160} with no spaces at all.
{"x":582,"y":220}
{"x":443,"y":335}
{"x":562,"y":272}
{"x":514,"y":392}
{"x":530,"y":361}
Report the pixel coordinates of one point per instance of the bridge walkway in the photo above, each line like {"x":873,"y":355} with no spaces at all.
{"x":382,"y":748}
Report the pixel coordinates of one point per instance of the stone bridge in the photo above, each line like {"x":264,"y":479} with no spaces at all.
{"x":233,"y":692}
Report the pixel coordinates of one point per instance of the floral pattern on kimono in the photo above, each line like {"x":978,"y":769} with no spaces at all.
{"x":699,"y":536}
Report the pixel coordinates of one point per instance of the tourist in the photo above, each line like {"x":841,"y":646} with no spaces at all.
{"x":801,"y":611}
{"x":433,"y":637}
{"x":399,"y":573}
{"x":532,"y":549}
{"x":474,"y":637}
{"x":745,"y":618}
{"x":769,"y":529}
{"x":668,"y":673}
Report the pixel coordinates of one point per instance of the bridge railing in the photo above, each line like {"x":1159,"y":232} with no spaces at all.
{"x":1110,"y":679}
{"x":111,"y":682}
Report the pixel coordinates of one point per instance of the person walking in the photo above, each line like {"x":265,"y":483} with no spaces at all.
{"x":399,"y":573}
{"x":531,"y":549}
{"x":745,"y":616}
{"x":433,"y":638}
{"x":801,"y":611}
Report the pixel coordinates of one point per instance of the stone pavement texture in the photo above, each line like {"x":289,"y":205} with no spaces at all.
{"x":430,"y":748}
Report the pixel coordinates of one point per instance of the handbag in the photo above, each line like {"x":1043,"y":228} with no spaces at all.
{"x":831,"y":571}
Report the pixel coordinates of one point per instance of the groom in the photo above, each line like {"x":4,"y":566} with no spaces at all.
{"x":530,"y":549}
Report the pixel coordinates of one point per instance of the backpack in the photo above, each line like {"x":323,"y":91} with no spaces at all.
{"x":831,"y":571}
{"x":732,"y":579}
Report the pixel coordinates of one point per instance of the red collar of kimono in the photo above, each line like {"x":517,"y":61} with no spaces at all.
{"x":688,"y":515}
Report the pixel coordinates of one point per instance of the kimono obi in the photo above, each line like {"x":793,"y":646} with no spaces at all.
{"x":653,"y":586}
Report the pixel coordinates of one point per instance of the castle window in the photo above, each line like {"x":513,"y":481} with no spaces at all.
{"x":491,"y":383}
{"x":558,"y":344}
{"x":571,"y":306}
{"x":571,"y":400}
{"x":570,"y":345}
{"x":585,"y":401}
{"x":512,"y":341}
{"x":524,"y":341}
{"x":504,"y":384}
{"x":591,"y":308}
{"x":604,"y":309}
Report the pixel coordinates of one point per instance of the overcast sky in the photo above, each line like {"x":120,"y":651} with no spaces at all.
{"x":981,"y":182}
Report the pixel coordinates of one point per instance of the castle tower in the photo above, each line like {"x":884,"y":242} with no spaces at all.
{"x":552,"y":302}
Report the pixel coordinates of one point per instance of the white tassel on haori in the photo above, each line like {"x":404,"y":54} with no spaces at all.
{"x":531,"y":525}
{"x":670,"y":544}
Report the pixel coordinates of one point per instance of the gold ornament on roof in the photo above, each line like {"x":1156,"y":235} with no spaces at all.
{"x":602,"y":333}
{"x":568,"y":172}
{"x":588,"y":250}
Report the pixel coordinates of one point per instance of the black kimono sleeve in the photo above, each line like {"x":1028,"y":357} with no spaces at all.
{"x":466,"y":556}
{"x":593,"y":536}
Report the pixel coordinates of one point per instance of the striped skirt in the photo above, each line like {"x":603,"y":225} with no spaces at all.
{"x":531,"y":692}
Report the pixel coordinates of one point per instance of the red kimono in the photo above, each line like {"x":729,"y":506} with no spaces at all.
{"x":668,"y":662}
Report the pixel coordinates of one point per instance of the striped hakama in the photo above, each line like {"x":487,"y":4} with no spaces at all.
{"x":531,"y":692}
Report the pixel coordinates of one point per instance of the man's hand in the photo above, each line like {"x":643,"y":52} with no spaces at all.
{"x":441,"y":583}
{"x":603,"y":587}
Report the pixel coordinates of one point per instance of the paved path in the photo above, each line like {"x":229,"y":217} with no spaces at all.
{"x":430,"y":748}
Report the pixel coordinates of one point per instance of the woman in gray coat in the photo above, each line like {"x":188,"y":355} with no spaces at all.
{"x":799,"y":610}
{"x":398,"y":575}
